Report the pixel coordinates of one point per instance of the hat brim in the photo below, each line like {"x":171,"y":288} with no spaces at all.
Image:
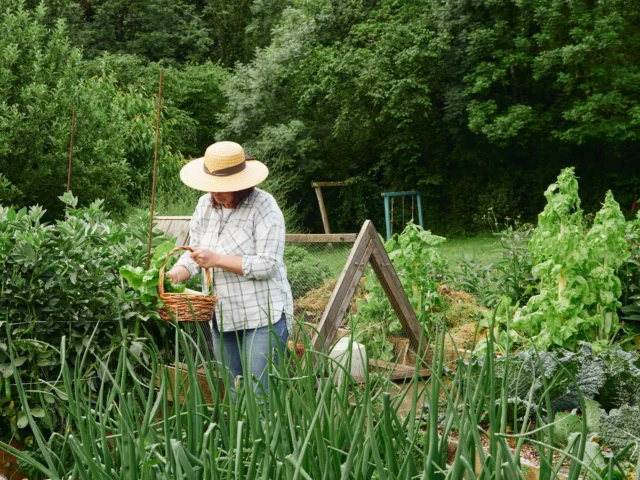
{"x":194,"y":176}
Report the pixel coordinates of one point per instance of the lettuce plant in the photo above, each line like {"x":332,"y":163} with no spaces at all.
{"x":145,"y":282}
{"x":578,"y":290}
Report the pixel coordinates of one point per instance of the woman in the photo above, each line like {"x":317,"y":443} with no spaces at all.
{"x":238,"y":231}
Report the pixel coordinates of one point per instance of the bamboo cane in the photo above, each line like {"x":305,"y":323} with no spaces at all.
{"x":73,"y":128}
{"x":155,"y":169}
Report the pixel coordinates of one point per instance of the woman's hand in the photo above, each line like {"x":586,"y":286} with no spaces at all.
{"x":177,"y":274}
{"x":173,"y":276}
{"x":205,"y":258}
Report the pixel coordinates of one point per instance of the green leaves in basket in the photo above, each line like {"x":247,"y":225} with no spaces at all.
{"x":145,"y":282}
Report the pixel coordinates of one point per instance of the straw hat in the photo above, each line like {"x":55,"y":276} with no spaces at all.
{"x":223,"y":169}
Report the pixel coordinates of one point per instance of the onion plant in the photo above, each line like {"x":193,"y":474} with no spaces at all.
{"x":308,"y":425}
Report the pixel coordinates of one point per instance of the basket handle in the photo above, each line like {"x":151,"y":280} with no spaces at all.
{"x":161,"y":273}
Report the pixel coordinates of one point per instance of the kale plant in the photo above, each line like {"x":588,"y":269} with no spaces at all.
{"x":612,"y":377}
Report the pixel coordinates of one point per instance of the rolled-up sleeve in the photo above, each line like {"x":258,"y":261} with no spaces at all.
{"x":269,"y":238}
{"x":195,"y":235}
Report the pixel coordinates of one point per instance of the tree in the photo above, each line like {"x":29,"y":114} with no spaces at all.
{"x":155,"y":29}
{"x":41,"y":79}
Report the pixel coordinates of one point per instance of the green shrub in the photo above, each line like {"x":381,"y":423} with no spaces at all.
{"x":304,"y":272}
{"x":61,"y":280}
{"x":41,"y":78}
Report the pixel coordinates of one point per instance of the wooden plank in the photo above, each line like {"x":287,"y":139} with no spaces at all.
{"x":397,"y":375}
{"x":328,"y":184}
{"x":374,"y":362}
{"x":176,"y":226}
{"x":179,"y":226}
{"x":321,"y":238}
{"x":182,"y":373}
{"x":323,"y":211}
{"x":393,"y":288}
{"x":341,"y":295}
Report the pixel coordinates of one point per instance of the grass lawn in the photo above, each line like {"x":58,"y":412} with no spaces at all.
{"x":482,"y":249}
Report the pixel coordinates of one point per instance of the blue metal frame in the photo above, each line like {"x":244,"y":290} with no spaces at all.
{"x":387,"y":207}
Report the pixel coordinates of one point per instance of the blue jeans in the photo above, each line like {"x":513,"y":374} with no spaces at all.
{"x":246,"y":352}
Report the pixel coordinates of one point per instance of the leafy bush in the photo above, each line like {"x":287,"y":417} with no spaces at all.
{"x":304,"y":272}
{"x":477,"y":279}
{"x":579,"y":289}
{"x":61,"y":280}
{"x":510,"y":275}
{"x":42,"y":77}
{"x":9,"y":194}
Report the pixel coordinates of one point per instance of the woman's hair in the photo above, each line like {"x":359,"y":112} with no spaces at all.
{"x":238,"y":196}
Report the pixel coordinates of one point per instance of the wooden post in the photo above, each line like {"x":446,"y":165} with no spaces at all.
{"x":155,"y":170}
{"x":323,"y":210}
{"x":73,"y":129}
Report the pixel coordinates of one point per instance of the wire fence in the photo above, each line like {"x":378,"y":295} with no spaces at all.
{"x":313,"y":269}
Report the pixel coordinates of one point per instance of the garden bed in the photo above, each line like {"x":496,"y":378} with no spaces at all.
{"x":9,"y":464}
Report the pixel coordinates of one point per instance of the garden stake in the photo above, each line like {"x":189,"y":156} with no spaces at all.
{"x":73,"y":128}
{"x":155,"y":169}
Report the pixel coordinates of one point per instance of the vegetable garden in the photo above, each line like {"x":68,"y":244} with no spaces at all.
{"x":533,"y":361}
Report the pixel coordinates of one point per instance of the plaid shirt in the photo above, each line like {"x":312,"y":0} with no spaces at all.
{"x":255,"y":231}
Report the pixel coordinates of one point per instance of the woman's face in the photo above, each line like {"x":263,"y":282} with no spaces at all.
{"x":224,"y":198}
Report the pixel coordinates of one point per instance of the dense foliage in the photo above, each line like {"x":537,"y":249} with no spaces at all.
{"x":61,"y":280}
{"x":314,"y":425}
{"x":477,"y":104}
{"x":42,"y":76}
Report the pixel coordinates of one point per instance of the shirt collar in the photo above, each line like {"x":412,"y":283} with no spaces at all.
{"x":245,"y":200}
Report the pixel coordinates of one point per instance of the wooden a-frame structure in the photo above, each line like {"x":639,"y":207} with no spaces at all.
{"x":367,"y":248}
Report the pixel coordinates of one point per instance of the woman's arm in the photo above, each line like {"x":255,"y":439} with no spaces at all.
{"x":178,"y":274}
{"x":186,"y":267}
{"x":269,"y":238}
{"x":207,"y":259}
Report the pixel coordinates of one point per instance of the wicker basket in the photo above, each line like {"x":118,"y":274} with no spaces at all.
{"x":185,"y":307}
